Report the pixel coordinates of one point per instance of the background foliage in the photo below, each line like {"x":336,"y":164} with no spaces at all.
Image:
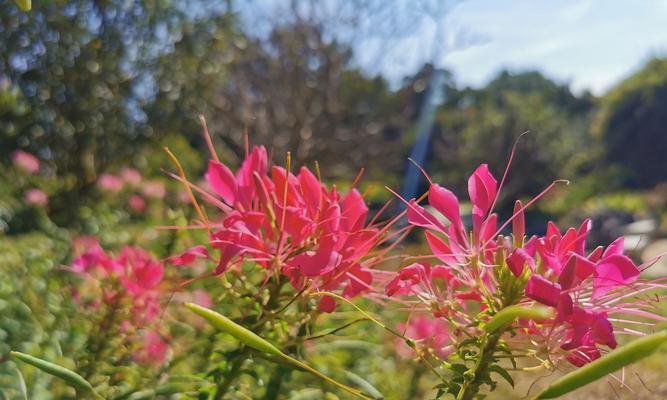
{"x":93,"y":86}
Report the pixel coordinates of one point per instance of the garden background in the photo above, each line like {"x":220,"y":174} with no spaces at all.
{"x":96,"y":89}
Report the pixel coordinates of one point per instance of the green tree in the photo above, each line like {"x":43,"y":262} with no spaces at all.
{"x":632,"y":125}
{"x":481,"y":125}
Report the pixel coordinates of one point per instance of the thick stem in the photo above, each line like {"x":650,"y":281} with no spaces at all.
{"x":275,"y":383}
{"x":231,"y":376}
{"x":280,"y":373}
{"x":414,"y":382}
{"x":471,"y":386}
{"x":99,"y":341}
{"x":235,"y":370}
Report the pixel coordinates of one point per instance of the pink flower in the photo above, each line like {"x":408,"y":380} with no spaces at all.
{"x":428,"y":333}
{"x":153,"y":351}
{"x":25,"y":161}
{"x":292,"y":224}
{"x":110,"y":183}
{"x":189,"y":256}
{"x":133,"y":274}
{"x":136,"y":203}
{"x":130,"y":176}
{"x":577,"y":285}
{"x":586,"y":290}
{"x":36,"y":197}
{"x":154,"y":190}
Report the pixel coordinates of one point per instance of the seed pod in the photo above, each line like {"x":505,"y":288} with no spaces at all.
{"x":224,"y":324}
{"x":607,"y":364}
{"x":72,"y":378}
{"x":507,"y":315}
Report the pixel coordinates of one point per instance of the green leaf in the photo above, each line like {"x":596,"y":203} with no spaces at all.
{"x":22,"y":387}
{"x":613,"y":361}
{"x":502,"y":372}
{"x":364,"y":385}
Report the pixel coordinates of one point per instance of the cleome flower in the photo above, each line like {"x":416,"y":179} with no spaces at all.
{"x":595,"y":295}
{"x":130,"y":279}
{"x":290,"y":224}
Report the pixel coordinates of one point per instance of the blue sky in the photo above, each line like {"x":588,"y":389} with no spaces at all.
{"x":590,"y":44}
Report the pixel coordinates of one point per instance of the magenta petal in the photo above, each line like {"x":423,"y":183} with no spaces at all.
{"x":222,"y":181}
{"x":482,"y":188}
{"x":419,"y":217}
{"x":616,"y":247}
{"x":327,"y":304}
{"x":583,"y":355}
{"x":517,"y":261}
{"x":440,"y":249}
{"x":311,"y":189}
{"x":446,"y":203}
{"x":565,"y":308}
{"x":543,"y":291}
{"x":189,"y":256}
{"x":602,"y":331}
{"x":317,"y":263}
{"x":613,"y":271}
{"x":354,"y":211}
{"x":567,"y":276}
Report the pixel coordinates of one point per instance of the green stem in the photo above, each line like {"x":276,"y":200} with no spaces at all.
{"x":230,"y":378}
{"x":100,"y":340}
{"x":235,"y":370}
{"x":471,"y":385}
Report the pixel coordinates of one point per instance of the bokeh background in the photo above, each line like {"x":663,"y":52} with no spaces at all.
{"x":97,"y":88}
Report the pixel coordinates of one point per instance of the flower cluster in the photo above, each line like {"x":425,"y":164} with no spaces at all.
{"x":131,"y":181}
{"x":481,"y":271}
{"x":29,"y":164}
{"x":131,"y":278}
{"x":292,"y":225}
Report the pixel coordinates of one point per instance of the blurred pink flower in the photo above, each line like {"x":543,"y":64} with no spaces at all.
{"x":130,"y":176}
{"x":136,"y":203}
{"x":110,"y":183}
{"x":428,"y":333}
{"x":154,"y":190}
{"x":36,"y":197}
{"x":25,"y":161}
{"x":133,"y":274}
{"x":153,"y":351}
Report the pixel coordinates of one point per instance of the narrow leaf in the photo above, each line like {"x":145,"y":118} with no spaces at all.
{"x":502,"y":372}
{"x":364,"y":385}
{"x":614,"y":360}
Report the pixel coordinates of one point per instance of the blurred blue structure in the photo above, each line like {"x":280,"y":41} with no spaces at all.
{"x":435,"y":96}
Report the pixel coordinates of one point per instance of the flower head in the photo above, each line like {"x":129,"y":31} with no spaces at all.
{"x":480,"y":271}
{"x":36,"y":197}
{"x":25,"y":161}
{"x":131,"y":277}
{"x":291,"y":224}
